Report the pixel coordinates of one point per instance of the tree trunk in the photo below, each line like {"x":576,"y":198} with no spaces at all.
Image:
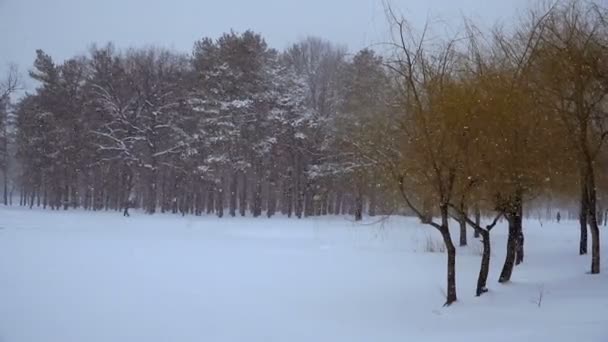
{"x":243,"y":196}
{"x":463,"y":225}
{"x":507,"y":269}
{"x":451,"y":256}
{"x":519,"y":255}
{"x":151,"y":191}
{"x":592,"y":217}
{"x":287,"y":196}
{"x":233,"y":189}
{"x":299,"y":199}
{"x":308,"y":199}
{"x":271,"y":206}
{"x":219,"y":201}
{"x":324,"y":203}
{"x":583,"y":214}
{"x":338,"y":203}
{"x":5,"y":186}
{"x":484,"y":270}
{"x":477,"y":221}
{"x":210,"y":202}
{"x":257,"y":195}
{"x":372,"y":202}
{"x":358,"y":206}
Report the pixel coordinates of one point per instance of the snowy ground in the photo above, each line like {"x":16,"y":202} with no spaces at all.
{"x":99,"y":277}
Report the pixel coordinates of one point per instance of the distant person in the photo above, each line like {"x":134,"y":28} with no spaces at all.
{"x":559,"y":217}
{"x":127,"y":205}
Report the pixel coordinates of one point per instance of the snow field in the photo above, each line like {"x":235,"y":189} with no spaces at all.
{"x":83,"y":276}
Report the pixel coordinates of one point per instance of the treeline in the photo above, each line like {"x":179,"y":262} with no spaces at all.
{"x":234,"y":128}
{"x":481,"y":123}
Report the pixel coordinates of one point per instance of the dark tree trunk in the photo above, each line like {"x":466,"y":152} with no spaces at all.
{"x":372,"y":202}
{"x":299,"y":194}
{"x":477,"y":221}
{"x":484,"y":270}
{"x":595,"y":246}
{"x":151,"y":191}
{"x":257,"y":195}
{"x":592,"y":217}
{"x":358,"y":206}
{"x":582,"y":218}
{"x":66,"y":195}
{"x":271,"y":206}
{"x":210,"y":200}
{"x":329,"y":205}
{"x":243,"y":195}
{"x":45,"y":198}
{"x":519,"y":255}
{"x":463,"y":225}
{"x":514,"y":217}
{"x":324,"y":203}
{"x":233,"y":190}
{"x":287,"y":197}
{"x":507,"y":269}
{"x":164,"y":188}
{"x":5,"y":179}
{"x":451,"y":257}
{"x":338,"y":205}
{"x":219,"y":202}
{"x":308,"y":199}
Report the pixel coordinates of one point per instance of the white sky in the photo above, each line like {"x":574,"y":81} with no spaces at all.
{"x":64,"y":28}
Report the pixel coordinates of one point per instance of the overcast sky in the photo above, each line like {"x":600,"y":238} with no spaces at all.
{"x":64,"y":28}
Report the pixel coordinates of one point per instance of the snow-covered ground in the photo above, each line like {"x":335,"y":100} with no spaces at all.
{"x":100,"y":277}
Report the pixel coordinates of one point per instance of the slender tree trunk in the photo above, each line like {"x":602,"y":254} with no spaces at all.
{"x":243,"y":195}
{"x":507,"y":269}
{"x":288,"y":196}
{"x":593,"y":225}
{"x":308,"y":199}
{"x":45,"y":198}
{"x":358,"y":205}
{"x":5,"y":179}
{"x":271,"y":206}
{"x":477,"y":220}
{"x":372,"y":202}
{"x":338,"y":203}
{"x":299,"y":198}
{"x":219,"y":201}
{"x":451,"y":257}
{"x":329,"y":203}
{"x":463,"y":225}
{"x":233,"y":191}
{"x":151,"y":193}
{"x":584,"y":210}
{"x":257,"y":192}
{"x":210,"y":199}
{"x":66,"y":194}
{"x":484,"y":270}
{"x":519,"y":255}
{"x":514,"y":217}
